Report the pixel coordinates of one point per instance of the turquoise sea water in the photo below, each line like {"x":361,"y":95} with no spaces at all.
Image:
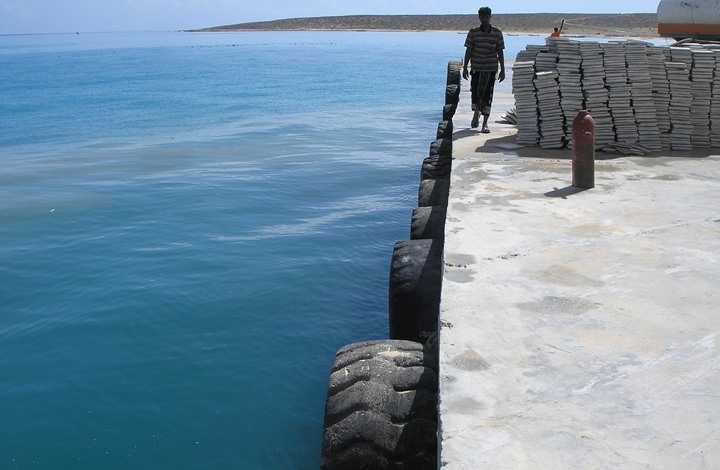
{"x":190,"y":226}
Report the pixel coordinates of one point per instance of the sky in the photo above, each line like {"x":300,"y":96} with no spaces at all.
{"x":64,"y":16}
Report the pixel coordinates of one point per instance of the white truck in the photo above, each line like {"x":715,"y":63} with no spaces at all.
{"x":683,"y":19}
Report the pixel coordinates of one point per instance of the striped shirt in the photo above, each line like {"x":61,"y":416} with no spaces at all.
{"x":484,"y":48}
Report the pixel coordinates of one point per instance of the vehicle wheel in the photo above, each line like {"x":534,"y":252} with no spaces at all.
{"x":381,"y":408}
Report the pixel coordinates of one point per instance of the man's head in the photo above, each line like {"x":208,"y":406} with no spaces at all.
{"x":484,"y":14}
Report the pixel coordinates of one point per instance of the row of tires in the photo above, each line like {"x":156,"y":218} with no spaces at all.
{"x":381,"y":407}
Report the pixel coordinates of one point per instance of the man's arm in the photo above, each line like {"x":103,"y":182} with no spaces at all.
{"x":501,"y":60}
{"x":465,"y":63}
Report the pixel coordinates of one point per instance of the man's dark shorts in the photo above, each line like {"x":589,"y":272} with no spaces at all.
{"x":482,"y":86}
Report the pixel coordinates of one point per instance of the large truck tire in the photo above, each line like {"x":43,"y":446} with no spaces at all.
{"x":434,"y":192}
{"x":428,"y":223}
{"x":381,"y":408}
{"x":445,"y":130}
{"x":454,"y":72}
{"x":442,"y":147}
{"x":415,"y":287}
{"x":437,"y":167}
{"x":449,"y":111}
{"x":452,"y":94}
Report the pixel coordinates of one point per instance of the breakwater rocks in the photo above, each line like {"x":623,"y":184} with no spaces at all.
{"x":381,"y":407}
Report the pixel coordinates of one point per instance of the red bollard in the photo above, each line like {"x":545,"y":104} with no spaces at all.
{"x":583,"y":163}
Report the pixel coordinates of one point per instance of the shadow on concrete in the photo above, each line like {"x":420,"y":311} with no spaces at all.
{"x":564,"y":192}
{"x":694,"y":153}
{"x":461,"y":134}
{"x":506,"y":144}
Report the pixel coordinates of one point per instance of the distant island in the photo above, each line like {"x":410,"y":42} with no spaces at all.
{"x":637,"y":25}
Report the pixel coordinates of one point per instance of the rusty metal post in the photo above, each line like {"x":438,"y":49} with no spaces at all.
{"x":583,"y":163}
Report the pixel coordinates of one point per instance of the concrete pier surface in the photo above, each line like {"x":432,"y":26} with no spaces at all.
{"x":578,"y":329}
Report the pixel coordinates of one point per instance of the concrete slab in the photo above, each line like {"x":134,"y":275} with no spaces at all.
{"x":579,"y":329}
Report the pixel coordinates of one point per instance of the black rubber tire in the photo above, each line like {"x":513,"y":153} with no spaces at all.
{"x":434,"y":192}
{"x":454,"y":71}
{"x":449,"y":111}
{"x":441,"y":147}
{"x":452,"y":94}
{"x":437,"y":167}
{"x":445,"y":130}
{"x":428,"y":223}
{"x":381,"y":408}
{"x":416,"y":274}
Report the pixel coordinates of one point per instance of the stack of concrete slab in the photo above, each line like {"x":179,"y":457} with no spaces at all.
{"x":545,"y":60}
{"x":526,"y":96}
{"x":550,"y":115}
{"x":595,"y":93}
{"x":680,"y":98}
{"x":715,"y":103}
{"x":660,"y":92}
{"x":641,"y":96}
{"x":526,"y":108}
{"x":701,"y":79}
{"x":679,"y":74}
{"x":619,"y":92}
{"x":569,"y":80}
{"x":641,"y":92}
{"x":526,"y":56}
{"x":530,"y":53}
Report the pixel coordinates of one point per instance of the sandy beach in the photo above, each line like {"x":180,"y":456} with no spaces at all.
{"x":632,"y":25}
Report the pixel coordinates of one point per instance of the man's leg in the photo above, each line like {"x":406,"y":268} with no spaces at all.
{"x":486,"y":97}
{"x":475,"y":97}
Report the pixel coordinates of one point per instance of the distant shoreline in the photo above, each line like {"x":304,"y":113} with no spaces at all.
{"x":635,"y":25}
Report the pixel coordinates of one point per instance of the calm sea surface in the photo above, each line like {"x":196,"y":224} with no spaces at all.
{"x":190,"y":226}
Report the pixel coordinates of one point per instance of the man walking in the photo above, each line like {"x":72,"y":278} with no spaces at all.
{"x":484,"y":50}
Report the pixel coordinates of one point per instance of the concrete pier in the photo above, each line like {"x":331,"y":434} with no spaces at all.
{"x":578,"y":328}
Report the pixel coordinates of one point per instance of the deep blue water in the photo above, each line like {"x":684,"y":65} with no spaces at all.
{"x":190,"y":226}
